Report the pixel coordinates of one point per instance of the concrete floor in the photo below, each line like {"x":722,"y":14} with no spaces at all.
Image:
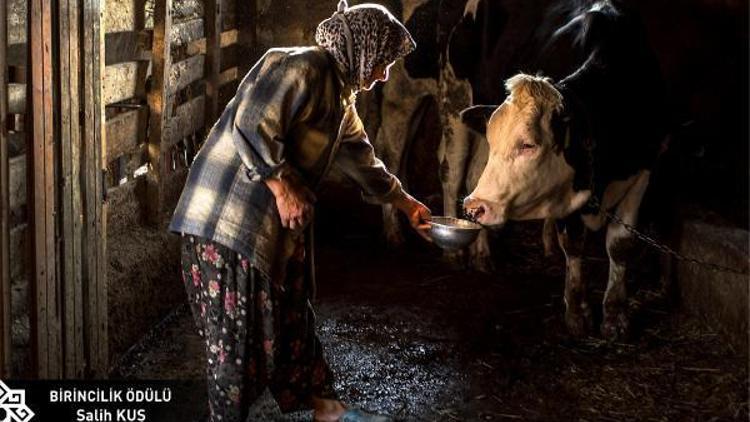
{"x":410,"y":337}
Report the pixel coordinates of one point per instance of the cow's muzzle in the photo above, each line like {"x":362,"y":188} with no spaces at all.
{"x":473,"y":209}
{"x":484,"y":212}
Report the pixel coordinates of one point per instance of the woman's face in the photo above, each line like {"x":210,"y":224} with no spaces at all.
{"x":379,"y":73}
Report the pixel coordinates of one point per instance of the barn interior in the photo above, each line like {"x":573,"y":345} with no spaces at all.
{"x":104,"y":103}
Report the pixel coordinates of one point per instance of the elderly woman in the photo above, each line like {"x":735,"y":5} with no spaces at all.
{"x":249,"y":197}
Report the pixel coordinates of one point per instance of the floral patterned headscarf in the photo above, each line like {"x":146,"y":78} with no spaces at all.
{"x":363,"y":37}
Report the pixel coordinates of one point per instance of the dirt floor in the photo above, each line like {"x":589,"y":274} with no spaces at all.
{"x":408,"y":336}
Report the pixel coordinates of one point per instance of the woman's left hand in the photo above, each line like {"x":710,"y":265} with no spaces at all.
{"x":419,"y":215}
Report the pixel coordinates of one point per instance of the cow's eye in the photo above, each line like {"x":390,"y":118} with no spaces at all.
{"x":526,"y":146}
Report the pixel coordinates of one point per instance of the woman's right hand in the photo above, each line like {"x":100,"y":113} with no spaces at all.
{"x":293,"y":200}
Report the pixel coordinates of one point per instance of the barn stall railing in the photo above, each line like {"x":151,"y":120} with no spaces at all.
{"x":153,"y":130}
{"x":196,"y":93}
{"x":158,"y":86}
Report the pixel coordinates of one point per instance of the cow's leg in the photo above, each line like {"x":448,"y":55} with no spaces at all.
{"x":452,"y":155}
{"x":548,"y":237}
{"x":578,"y":318}
{"x":391,"y":226}
{"x":480,"y":258}
{"x":616,"y":324}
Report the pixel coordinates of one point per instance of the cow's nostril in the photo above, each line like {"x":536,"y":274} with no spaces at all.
{"x":479,"y":212}
{"x":473,"y":211}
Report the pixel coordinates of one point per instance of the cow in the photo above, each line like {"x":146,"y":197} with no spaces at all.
{"x":577,"y":149}
{"x":460,"y":154}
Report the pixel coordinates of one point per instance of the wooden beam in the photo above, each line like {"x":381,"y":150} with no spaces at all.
{"x":199,"y":46}
{"x":95,"y":210}
{"x":143,"y":67}
{"x":125,"y":132}
{"x":70,"y":196}
{"x":182,"y":10}
{"x":16,"y":15}
{"x":213,"y":58}
{"x":16,"y":98}
{"x":186,"y":72}
{"x":5,"y":318}
{"x":120,"y":82}
{"x":129,"y":46}
{"x":160,"y":101}
{"x":229,"y":75}
{"x":41,"y":197}
{"x":187,"y":120}
{"x":186,"y":32}
{"x":247,"y":15}
{"x":17,"y":181}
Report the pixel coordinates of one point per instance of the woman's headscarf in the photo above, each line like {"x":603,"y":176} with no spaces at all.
{"x":363,"y":37}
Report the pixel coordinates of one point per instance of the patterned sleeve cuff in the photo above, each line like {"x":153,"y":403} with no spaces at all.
{"x":261,"y":173}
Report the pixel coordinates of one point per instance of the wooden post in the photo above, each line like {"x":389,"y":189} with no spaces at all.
{"x":160,"y":101}
{"x":5,"y":320}
{"x":213,"y":59}
{"x":41,"y":197}
{"x":70,"y":198}
{"x":141,"y":77}
{"x":246,"y":18}
{"x":95,"y":258}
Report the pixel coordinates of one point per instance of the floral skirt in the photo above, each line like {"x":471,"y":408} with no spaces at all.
{"x":259,"y":333}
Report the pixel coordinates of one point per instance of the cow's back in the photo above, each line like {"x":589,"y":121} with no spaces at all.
{"x":621,"y":90}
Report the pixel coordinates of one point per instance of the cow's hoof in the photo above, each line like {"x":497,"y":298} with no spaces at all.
{"x":616,"y":326}
{"x":580,"y":323}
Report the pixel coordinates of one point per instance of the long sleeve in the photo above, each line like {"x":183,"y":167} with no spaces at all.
{"x":266,"y":111}
{"x":356,"y":159}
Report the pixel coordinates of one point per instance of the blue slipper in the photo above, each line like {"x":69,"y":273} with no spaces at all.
{"x":358,"y":415}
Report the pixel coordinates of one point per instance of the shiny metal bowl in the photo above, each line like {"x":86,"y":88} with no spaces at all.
{"x":453,"y":233}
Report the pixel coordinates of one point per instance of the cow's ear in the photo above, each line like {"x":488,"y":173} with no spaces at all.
{"x":476,"y":117}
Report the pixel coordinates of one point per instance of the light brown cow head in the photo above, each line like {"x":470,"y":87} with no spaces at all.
{"x":526,"y":176}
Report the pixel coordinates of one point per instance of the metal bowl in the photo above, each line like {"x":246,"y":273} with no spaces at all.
{"x":453,"y":233}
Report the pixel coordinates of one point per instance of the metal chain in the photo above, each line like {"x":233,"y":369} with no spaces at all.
{"x":661,"y":247}
{"x":589,"y":145}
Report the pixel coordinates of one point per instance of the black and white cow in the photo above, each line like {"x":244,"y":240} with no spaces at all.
{"x":434,"y":78}
{"x":573,"y":149}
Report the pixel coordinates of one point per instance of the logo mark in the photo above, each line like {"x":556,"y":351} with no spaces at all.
{"x":13,"y":405}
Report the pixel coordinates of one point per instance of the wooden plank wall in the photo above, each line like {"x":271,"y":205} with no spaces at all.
{"x":142,"y":133}
{"x":63,"y":204}
{"x":5,"y":282}
{"x":15,"y":125}
{"x":183,"y":100}
{"x":46,"y":323}
{"x":174,"y":109}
